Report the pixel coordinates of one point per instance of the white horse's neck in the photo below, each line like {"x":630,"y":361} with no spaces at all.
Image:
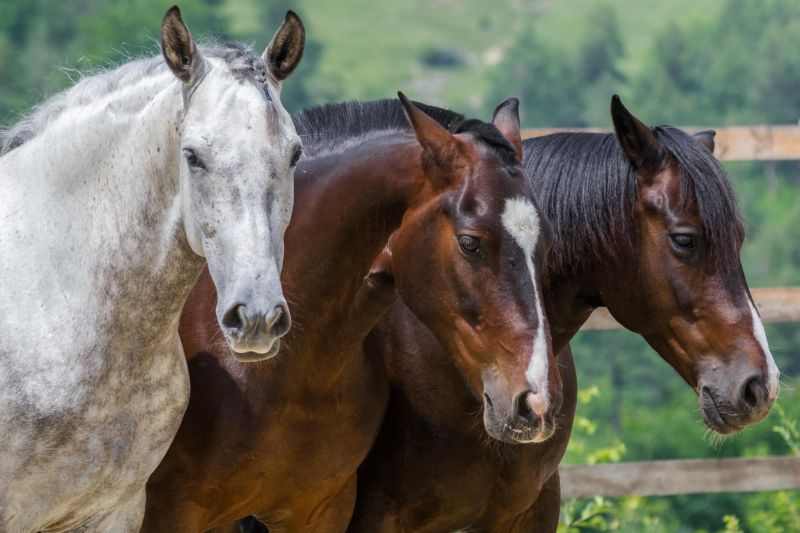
{"x":99,"y":192}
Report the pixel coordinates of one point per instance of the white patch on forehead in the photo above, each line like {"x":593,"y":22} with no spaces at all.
{"x":521,"y":220}
{"x":772,"y":369}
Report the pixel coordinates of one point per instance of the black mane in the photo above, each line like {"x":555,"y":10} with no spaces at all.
{"x":584,"y":183}
{"x":587,"y":189}
{"x":325,"y":127}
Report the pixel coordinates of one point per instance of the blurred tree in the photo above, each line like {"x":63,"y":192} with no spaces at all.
{"x":739,"y":70}
{"x":559,"y":89}
{"x":544,"y":80}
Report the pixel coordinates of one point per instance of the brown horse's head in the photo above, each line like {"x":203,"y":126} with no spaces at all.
{"x":685,"y":291}
{"x":467,"y":260}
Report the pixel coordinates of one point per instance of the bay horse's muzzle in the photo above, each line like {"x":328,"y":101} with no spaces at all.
{"x":729,"y":408}
{"x":529,"y":418}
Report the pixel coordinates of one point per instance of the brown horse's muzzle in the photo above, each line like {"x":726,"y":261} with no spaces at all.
{"x":525,"y":417}
{"x":733,"y":396}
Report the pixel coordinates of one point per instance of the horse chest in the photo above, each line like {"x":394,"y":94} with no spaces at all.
{"x":95,"y":447}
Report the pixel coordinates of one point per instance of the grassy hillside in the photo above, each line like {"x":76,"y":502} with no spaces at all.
{"x":372,"y":49}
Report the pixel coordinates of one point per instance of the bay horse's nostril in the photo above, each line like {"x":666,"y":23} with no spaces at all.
{"x":279,"y":321}
{"x":234,"y":317}
{"x":754,"y":395}
{"x":523,"y":410}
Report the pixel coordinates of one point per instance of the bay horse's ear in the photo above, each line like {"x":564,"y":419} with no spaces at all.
{"x":635,"y":138}
{"x":286,"y":48}
{"x":706,"y":138}
{"x":506,"y":120}
{"x":178,"y":47}
{"x":380,"y":273}
{"x":439,"y":145}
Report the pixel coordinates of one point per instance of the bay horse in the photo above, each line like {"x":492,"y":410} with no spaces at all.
{"x":115,"y":194}
{"x":646,"y":224}
{"x":447,"y":223}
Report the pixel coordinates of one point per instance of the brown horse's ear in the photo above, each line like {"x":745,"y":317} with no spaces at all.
{"x":178,"y":47}
{"x":706,"y":138}
{"x":439,"y":145}
{"x":636,"y":139}
{"x":286,"y":48}
{"x":506,"y":120}
{"x":380,"y":274}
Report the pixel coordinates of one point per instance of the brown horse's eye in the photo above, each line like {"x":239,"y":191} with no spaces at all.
{"x":193,"y":161}
{"x":684,"y":242}
{"x":469,"y":244}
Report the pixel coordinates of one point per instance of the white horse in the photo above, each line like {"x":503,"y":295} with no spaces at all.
{"x":111,"y":195}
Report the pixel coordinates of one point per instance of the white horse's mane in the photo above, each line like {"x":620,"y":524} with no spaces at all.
{"x":239,"y":58}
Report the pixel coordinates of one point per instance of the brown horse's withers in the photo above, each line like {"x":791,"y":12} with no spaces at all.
{"x":448,"y":223}
{"x":645,"y":224}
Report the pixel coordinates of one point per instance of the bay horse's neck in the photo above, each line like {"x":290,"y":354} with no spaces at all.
{"x":583,"y":182}
{"x":347,"y":207}
{"x":102,"y":183}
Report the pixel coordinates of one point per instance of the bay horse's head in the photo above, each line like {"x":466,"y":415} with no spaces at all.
{"x":467,"y":260}
{"x":234,"y":132}
{"x":685,"y":290}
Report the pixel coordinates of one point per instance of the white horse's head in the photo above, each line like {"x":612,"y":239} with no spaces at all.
{"x":239,"y":149}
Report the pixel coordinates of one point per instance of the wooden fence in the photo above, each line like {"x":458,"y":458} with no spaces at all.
{"x":776,"y":305}
{"x":737,"y":143}
{"x":662,"y":478}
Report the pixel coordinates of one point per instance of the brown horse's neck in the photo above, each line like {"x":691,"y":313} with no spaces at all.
{"x":345,"y":211}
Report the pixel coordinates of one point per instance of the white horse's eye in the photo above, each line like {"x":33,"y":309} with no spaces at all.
{"x":296,"y":156}
{"x":191,"y":158}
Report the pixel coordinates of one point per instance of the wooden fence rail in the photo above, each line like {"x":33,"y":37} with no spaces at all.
{"x":776,"y":305}
{"x":734,"y":143}
{"x":661,"y":478}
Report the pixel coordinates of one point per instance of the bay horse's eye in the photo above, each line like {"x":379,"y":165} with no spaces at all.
{"x":296,"y":156}
{"x":684,"y":242}
{"x":191,"y":158}
{"x":469,"y":244}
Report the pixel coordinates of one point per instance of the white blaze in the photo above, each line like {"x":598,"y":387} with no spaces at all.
{"x":772,"y":369}
{"x":521,"y":221}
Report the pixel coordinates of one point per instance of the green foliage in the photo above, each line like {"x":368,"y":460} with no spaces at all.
{"x":736,"y":70}
{"x":543,"y":81}
{"x":787,"y":428}
{"x":561,"y":88}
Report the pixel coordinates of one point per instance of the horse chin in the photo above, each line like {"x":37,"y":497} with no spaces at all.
{"x":713,"y":416}
{"x":246,"y":353}
{"x":510,"y":434}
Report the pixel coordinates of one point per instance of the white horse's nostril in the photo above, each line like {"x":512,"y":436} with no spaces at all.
{"x":278,"y":321}
{"x":235,"y":317}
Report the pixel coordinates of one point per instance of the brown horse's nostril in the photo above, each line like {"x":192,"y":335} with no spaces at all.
{"x":279,"y":321}
{"x":523,"y":412}
{"x":754,"y":394}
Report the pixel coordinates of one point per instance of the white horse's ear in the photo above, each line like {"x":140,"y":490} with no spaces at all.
{"x":178,"y":47}
{"x":286,"y":48}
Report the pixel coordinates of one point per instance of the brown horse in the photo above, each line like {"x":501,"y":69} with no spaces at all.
{"x":446,"y":222}
{"x":646,"y":224}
